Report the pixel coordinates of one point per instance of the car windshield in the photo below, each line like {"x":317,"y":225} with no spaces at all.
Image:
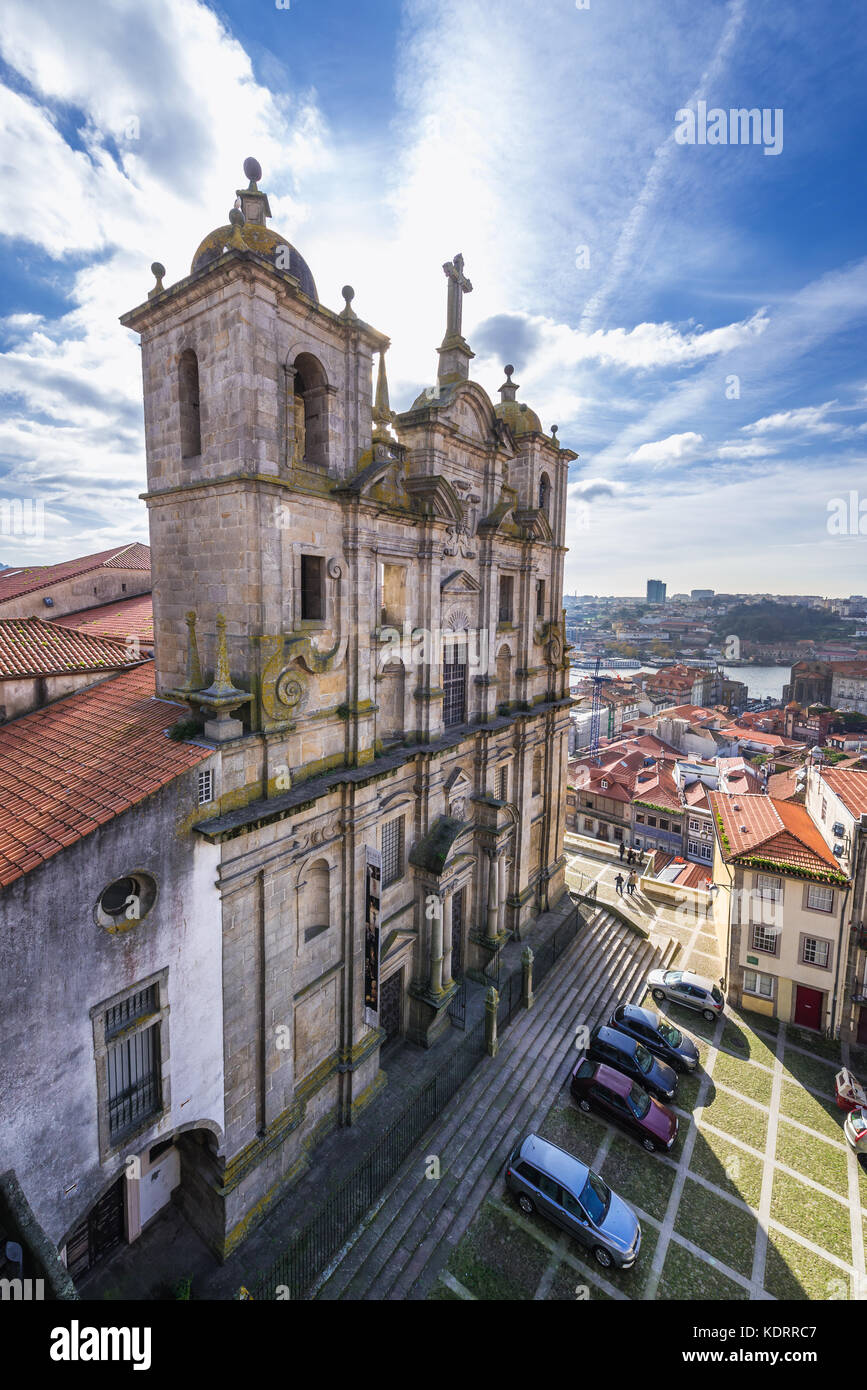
{"x":716,"y":996}
{"x":595,"y":1198}
{"x":673,"y":977}
{"x":643,"y":1058}
{"x":639,"y":1102}
{"x":669,"y":1034}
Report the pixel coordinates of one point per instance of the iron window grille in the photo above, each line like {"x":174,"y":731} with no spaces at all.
{"x":133,"y":1063}
{"x":392,"y":851}
{"x":454,"y":688}
{"x":503,"y":784}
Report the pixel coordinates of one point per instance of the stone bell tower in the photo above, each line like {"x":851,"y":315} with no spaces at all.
{"x":257,"y":401}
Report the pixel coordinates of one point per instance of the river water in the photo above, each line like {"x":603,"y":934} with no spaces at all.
{"x":763,"y":682}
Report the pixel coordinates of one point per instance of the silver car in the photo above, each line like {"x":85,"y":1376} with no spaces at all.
{"x":683,"y":987}
{"x":549,"y":1180}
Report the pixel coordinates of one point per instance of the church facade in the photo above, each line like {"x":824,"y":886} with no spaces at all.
{"x":361,"y":611}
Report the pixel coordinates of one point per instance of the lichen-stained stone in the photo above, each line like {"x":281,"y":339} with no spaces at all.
{"x":359,"y":558}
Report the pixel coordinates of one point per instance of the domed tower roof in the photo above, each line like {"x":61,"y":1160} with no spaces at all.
{"x":519,"y":417}
{"x":255,"y":235}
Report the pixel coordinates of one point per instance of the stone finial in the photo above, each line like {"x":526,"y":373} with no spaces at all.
{"x":194,"y":669}
{"x":236,"y":240}
{"x":157,"y":271}
{"x":348,"y":294}
{"x":554,"y":429}
{"x":509,"y":388}
{"x":382,"y":413}
{"x":253,"y":202}
{"x":222,"y":684}
{"x":454,"y":352}
{"x":222,"y":697}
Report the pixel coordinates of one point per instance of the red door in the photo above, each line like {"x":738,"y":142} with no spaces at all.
{"x":808,"y":1007}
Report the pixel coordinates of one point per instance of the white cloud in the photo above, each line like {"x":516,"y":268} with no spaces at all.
{"x":810,"y":419}
{"x":676,"y":448}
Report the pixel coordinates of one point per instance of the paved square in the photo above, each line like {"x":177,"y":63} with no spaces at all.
{"x":761,"y":1198}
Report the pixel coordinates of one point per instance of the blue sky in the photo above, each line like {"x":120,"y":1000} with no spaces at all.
{"x":692,"y":316}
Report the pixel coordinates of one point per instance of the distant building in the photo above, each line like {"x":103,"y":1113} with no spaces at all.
{"x":701,"y":593}
{"x":655,"y":591}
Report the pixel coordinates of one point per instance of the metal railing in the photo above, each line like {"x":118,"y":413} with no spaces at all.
{"x":296,"y":1270}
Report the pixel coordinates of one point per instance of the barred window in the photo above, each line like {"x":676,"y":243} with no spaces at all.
{"x":503,"y":784}
{"x":820,"y":897}
{"x":815,"y":951}
{"x":454,"y":687}
{"x":133,"y":1064}
{"x":392,"y":851}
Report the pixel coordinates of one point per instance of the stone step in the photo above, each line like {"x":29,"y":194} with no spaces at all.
{"x":647,"y":959}
{"x":466,"y":1131}
{"x":479,"y":1125}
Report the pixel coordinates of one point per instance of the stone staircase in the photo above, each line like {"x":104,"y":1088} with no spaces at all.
{"x":416,"y":1223}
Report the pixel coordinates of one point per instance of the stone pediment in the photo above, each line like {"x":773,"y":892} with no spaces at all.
{"x":506,"y":503}
{"x":457,"y":781}
{"x":460,"y":582}
{"x":433,"y":495}
{"x":534,"y":523}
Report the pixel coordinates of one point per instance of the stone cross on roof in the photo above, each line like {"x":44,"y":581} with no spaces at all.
{"x":459,"y":285}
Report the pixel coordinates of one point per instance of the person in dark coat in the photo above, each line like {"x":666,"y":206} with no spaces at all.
{"x":621,"y":851}
{"x":618,"y":884}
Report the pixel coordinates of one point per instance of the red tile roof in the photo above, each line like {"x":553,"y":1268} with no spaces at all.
{"x":30,"y":647}
{"x":850,"y":786}
{"x":70,"y":767}
{"x":15,"y":582}
{"x":128,"y":617}
{"x":781,"y":832}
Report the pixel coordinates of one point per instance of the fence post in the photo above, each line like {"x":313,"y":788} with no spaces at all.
{"x":492,"y":1000}
{"x":527,"y":978}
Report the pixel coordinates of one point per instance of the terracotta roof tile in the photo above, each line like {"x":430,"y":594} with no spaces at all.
{"x":850,"y":786}
{"x":128,"y":617}
{"x":23,"y":580}
{"x":71,"y":766}
{"x":781,"y":832}
{"x":30,"y":647}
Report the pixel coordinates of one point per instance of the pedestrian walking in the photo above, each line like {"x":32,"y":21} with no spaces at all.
{"x":618,"y":884}
{"x":621,"y":851}
{"x":630,"y":857}
{"x":630,"y":883}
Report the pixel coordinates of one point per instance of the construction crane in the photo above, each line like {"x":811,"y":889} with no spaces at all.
{"x":596,"y":708}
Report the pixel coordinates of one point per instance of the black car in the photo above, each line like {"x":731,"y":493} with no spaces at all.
{"x":633,"y":1059}
{"x":658,"y":1035}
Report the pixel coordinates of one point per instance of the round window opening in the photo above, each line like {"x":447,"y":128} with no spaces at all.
{"x":125,"y":902}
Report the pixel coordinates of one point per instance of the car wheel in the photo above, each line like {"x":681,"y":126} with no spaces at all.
{"x":526,"y":1205}
{"x":709,"y":1015}
{"x":649,"y":1145}
{"x":602,"y":1257}
{"x":584,"y":1105}
{"x":658,"y":994}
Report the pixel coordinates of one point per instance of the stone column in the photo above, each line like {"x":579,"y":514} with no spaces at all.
{"x":501,"y":888}
{"x":492,"y":1001}
{"x":447,"y":940}
{"x":493,"y":894}
{"x":527,"y":998}
{"x":436,"y":950}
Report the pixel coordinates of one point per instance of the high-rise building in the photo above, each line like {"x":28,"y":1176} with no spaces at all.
{"x":655,"y":591}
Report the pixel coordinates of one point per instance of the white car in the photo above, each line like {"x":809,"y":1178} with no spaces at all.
{"x":855,"y":1130}
{"x":683,"y":987}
